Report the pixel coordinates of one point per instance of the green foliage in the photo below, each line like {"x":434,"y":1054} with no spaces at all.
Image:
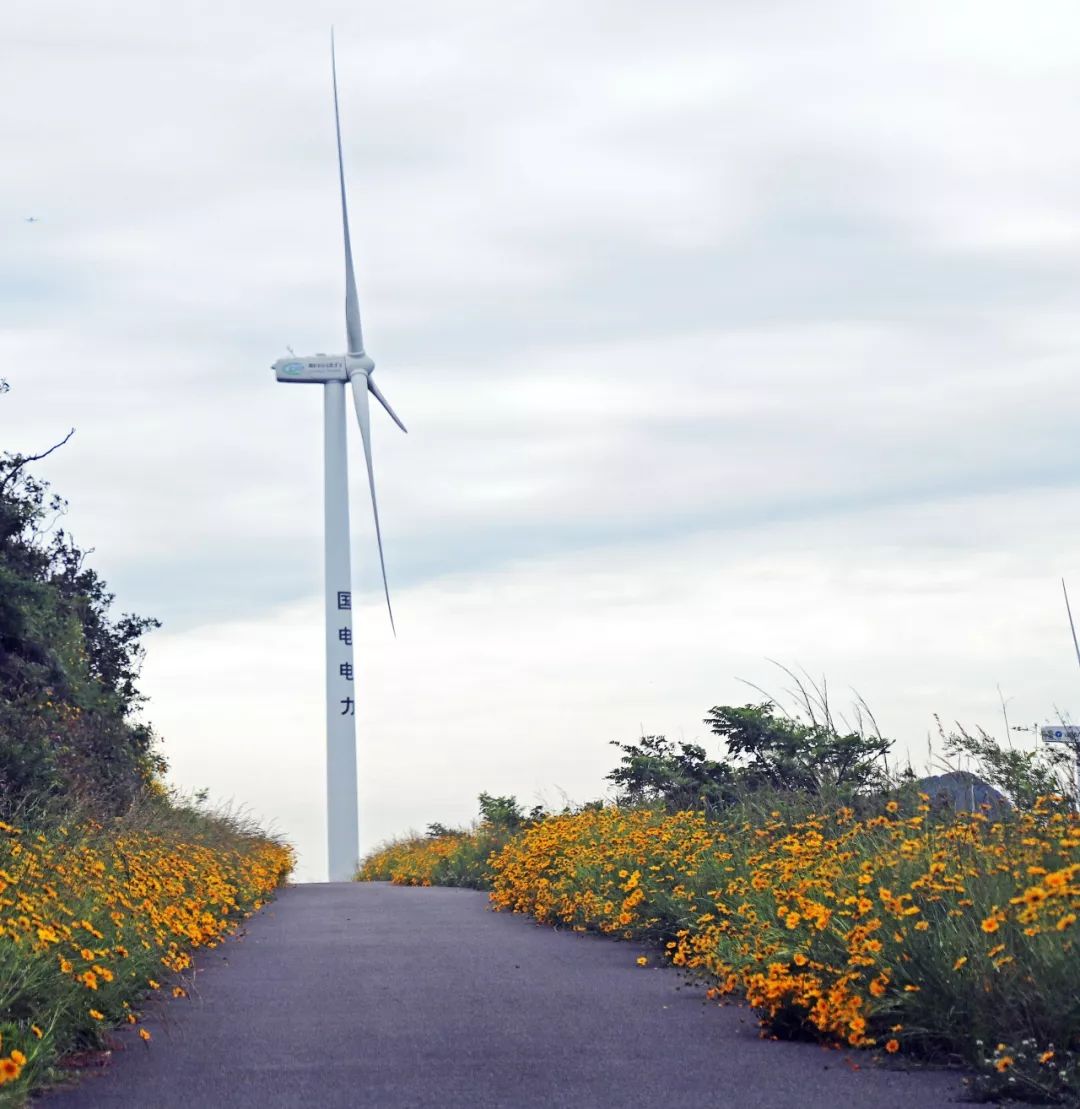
{"x":1023,"y":776}
{"x":656,"y":771}
{"x":506,"y":812}
{"x":784,"y":753}
{"x":766,"y":753}
{"x":500,"y":812}
{"x":68,"y":668}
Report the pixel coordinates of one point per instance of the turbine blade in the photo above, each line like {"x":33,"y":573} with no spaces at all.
{"x":363,"y":418}
{"x":386,"y":404}
{"x":352,"y":303}
{"x":1072,"y":626}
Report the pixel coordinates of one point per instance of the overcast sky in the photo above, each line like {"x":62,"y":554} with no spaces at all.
{"x":724,"y":332}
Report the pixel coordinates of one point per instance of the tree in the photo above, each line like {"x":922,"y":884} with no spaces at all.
{"x":68,"y":669}
{"x":765,"y":751}
{"x":785,"y":753}
{"x":656,"y":771}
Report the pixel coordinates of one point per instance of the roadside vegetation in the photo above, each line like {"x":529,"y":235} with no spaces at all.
{"x":108,"y":882}
{"x":805,"y":875}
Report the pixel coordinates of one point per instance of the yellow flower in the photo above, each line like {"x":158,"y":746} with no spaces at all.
{"x":990,"y":924}
{"x":144,"y":1034}
{"x":960,"y":962}
{"x":1003,"y":1064}
{"x":1046,"y":1057}
{"x":37,"y":1031}
{"x":96,"y":1015}
{"x":641,"y":962}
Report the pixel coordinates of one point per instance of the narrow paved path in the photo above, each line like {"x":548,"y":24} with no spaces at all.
{"x":341,"y":996}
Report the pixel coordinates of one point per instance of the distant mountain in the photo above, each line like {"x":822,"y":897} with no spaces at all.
{"x":963,"y":791}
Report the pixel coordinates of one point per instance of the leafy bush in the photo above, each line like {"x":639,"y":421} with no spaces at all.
{"x":766,"y":751}
{"x":68,"y":668}
{"x":655,"y":771}
{"x":1023,"y":776}
{"x":790,"y":755}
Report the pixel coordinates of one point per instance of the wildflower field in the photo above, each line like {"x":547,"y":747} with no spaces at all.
{"x":906,"y":931}
{"x":95,"y":918}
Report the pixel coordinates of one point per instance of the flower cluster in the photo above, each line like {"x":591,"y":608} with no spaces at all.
{"x":903,"y":930}
{"x":91,"y":919}
{"x":416,"y":862}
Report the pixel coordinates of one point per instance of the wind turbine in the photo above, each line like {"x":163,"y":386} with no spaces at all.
{"x":333,"y":372}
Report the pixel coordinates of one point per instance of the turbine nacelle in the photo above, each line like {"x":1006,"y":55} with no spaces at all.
{"x":317,"y":368}
{"x":321,"y":368}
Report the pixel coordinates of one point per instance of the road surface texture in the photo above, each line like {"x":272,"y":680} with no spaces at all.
{"x":352,"y":995}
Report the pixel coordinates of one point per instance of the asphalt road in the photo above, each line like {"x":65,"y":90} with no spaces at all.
{"x":350,"y":995}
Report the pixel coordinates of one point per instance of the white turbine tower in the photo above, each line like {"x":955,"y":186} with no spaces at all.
{"x":332,"y":372}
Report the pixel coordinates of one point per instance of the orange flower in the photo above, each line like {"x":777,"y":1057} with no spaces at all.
{"x":893,"y":1046}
